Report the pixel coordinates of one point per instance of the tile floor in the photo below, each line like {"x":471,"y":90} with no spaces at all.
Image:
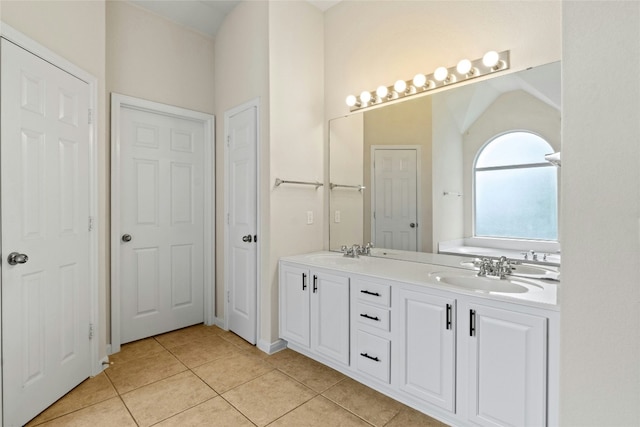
{"x":204,"y":376}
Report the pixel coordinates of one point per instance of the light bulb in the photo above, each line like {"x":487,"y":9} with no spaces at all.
{"x":419,"y":80}
{"x":382,"y":91}
{"x":463,"y":67}
{"x":400,"y":86}
{"x":490,"y":59}
{"x":351,"y":100}
{"x":440,"y":74}
{"x":365,"y":97}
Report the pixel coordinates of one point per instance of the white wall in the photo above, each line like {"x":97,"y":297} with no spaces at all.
{"x":600,"y":291}
{"x":76,"y":31}
{"x":296,"y":70}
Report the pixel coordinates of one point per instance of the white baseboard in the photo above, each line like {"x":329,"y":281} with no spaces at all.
{"x":219,"y":322}
{"x":273,"y":347}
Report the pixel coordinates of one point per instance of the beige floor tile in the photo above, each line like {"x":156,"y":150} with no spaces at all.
{"x":127,"y":376}
{"x":163,"y":399}
{"x":231,"y":371}
{"x":314,"y":375}
{"x":268,"y":397}
{"x":320,"y":412}
{"x":205,"y":350}
{"x":236,"y":340}
{"x":89,"y":392}
{"x":363,"y":401}
{"x":411,"y":417}
{"x":186,"y":335}
{"x":214,"y":412}
{"x":282,"y":354}
{"x":135,"y":350}
{"x":109,"y":413}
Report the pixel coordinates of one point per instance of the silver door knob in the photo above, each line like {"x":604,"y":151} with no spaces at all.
{"x":412,"y":225}
{"x":126,"y":237}
{"x":247,"y":238}
{"x":17,"y":258}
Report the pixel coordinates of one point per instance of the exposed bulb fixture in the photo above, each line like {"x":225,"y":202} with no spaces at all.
{"x":382,"y":91}
{"x":490,"y":59}
{"x":352,"y":101}
{"x":440,"y":74}
{"x":465,"y":70}
{"x":400,"y":86}
{"x":419,"y":80}
{"x":463,"y":67}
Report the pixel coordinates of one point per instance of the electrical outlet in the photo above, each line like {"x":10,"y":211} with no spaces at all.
{"x":336,"y":217}
{"x":309,"y":217}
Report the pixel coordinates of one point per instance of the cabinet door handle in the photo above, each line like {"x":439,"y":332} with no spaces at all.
{"x":375,"y":294}
{"x":369,"y":317}
{"x":448,"y":316}
{"x":374,"y":358}
{"x":472,"y":323}
{"x":304,"y":281}
{"x":315,"y":283}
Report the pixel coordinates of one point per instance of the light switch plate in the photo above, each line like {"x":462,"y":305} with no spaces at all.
{"x":336,"y":217}
{"x":309,"y":217}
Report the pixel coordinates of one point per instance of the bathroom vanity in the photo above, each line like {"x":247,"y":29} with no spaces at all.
{"x":463,"y":349}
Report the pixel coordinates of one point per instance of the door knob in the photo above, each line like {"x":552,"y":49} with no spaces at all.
{"x":247,"y":238}
{"x":412,"y":225}
{"x":126,"y":237}
{"x":17,"y":258}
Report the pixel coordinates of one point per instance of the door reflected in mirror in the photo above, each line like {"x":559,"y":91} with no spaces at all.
{"x":416,"y":159}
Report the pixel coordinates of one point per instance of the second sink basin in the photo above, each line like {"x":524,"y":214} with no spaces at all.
{"x":486,"y":284}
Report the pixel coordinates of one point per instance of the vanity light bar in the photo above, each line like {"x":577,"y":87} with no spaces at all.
{"x":491,"y":62}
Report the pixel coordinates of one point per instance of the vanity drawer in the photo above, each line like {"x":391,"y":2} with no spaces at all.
{"x":373,"y":356}
{"x":372,"y":292}
{"x":377,"y":317}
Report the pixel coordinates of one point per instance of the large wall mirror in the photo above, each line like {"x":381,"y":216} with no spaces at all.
{"x":403,"y":176}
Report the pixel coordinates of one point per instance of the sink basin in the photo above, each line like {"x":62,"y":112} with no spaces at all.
{"x":487,"y":284}
{"x":335,"y":259}
{"x":533,"y":271}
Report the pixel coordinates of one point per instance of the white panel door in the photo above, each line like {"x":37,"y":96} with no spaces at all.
{"x":242,"y":223}
{"x":507,"y":368}
{"x":330,"y":316}
{"x":395,"y":210}
{"x":45,"y":215}
{"x":294,"y":304}
{"x":162,"y":223}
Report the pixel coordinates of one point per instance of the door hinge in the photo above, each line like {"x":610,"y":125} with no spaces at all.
{"x":228,"y":140}
{"x":90,"y":331}
{"x":90,"y":119}
{"x":90,"y":223}
{"x":228,"y":219}
{"x":228,"y":296}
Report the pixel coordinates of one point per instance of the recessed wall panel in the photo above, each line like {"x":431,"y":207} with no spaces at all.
{"x":240,"y":263}
{"x":68,"y":312}
{"x":33,"y":180}
{"x":181,"y":193}
{"x":387,"y":198}
{"x":32,"y":93}
{"x":147,"y":188}
{"x":239,"y":198}
{"x":181,"y":276}
{"x":33,"y":327}
{"x":147,"y":284}
{"x":68,"y":186}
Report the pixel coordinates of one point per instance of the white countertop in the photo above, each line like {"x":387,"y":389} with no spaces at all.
{"x":543,"y":295}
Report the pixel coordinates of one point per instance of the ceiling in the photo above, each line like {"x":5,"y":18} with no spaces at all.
{"x":204,"y":16}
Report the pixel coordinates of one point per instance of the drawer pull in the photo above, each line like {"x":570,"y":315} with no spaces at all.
{"x":374,"y":358}
{"x":370,"y":317}
{"x":472,"y":323}
{"x":304,"y":281}
{"x":315,"y":283}
{"x":375,"y":294}
{"x":448,"y":316}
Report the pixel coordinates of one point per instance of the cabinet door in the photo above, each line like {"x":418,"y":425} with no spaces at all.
{"x":330,"y":316}
{"x":507,"y":367}
{"x":294,"y":304}
{"x":427,"y":348}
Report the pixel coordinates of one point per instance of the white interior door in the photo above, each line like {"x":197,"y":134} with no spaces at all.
{"x":241,"y":267}
{"x":45,"y":200}
{"x":161,"y":223}
{"x":395,"y":206}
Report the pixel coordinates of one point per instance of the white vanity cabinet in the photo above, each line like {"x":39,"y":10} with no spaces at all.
{"x":506,"y":362}
{"x":314,"y":311}
{"x":426,"y":346}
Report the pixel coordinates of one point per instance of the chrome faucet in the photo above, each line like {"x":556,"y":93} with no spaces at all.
{"x":499,"y":268}
{"x":356,"y":250}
